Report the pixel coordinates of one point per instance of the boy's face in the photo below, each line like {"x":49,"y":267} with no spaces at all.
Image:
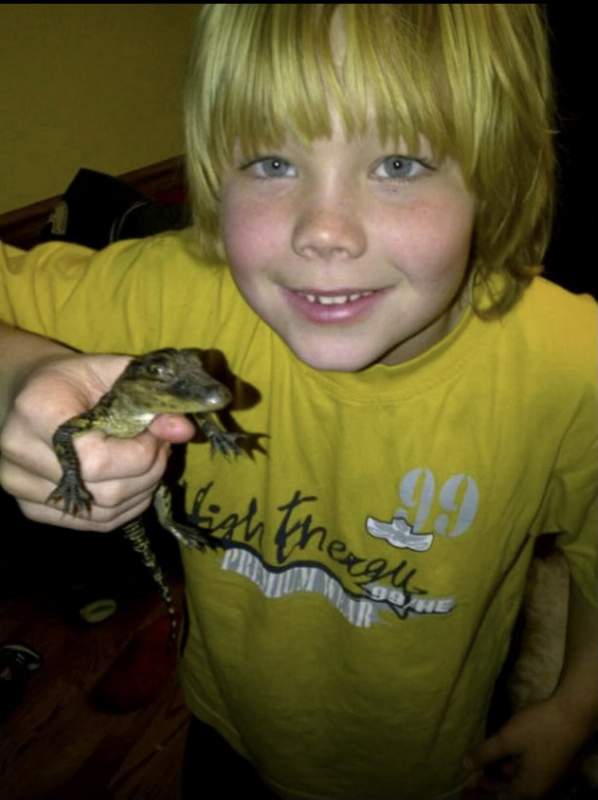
{"x":352,"y":252}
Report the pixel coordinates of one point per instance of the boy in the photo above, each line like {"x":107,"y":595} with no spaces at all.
{"x":378,"y":180}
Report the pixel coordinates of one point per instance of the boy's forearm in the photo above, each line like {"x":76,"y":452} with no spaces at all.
{"x":19,"y":353}
{"x":578,"y":686}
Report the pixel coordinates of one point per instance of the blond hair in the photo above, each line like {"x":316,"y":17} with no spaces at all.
{"x":474,"y":79}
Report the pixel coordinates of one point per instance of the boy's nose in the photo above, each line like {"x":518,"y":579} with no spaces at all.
{"x":328,"y":234}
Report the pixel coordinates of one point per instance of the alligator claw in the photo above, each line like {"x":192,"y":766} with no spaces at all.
{"x":224,"y":443}
{"x":71,"y":496}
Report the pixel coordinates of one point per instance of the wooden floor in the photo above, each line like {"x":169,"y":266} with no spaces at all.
{"x":57,"y":745}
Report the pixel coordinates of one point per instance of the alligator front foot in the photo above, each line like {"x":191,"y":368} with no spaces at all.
{"x":71,"y":495}
{"x":224,"y":443}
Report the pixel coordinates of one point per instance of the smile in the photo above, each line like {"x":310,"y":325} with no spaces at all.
{"x":341,"y":306}
{"x":335,"y":299}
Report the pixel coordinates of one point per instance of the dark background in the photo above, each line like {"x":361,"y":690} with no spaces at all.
{"x":570,"y":258}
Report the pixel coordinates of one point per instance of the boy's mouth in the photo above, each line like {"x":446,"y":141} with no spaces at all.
{"x":341,"y":305}
{"x":331,"y":299}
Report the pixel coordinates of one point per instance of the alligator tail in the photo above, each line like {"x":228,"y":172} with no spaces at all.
{"x":136,"y":534}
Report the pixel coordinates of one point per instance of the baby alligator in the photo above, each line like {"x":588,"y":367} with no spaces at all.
{"x":162,"y":381}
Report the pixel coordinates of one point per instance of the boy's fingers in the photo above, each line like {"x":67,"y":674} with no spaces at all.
{"x":117,"y":482}
{"x":490,"y":751}
{"x":97,"y":521}
{"x":104,"y":458}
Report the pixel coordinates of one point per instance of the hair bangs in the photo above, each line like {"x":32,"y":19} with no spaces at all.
{"x":389,"y":68}
{"x":346,"y":50}
{"x":272,"y":91}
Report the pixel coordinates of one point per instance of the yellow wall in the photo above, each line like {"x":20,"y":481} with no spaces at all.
{"x":92,"y":85}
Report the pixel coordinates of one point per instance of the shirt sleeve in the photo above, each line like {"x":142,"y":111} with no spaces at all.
{"x":96,"y":301}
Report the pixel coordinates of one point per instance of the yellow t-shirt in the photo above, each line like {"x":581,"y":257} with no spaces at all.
{"x":348,"y":636}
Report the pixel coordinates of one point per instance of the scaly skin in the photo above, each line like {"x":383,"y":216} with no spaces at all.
{"x":162,"y":381}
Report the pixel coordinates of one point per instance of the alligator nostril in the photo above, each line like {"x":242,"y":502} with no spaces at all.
{"x":217,"y":396}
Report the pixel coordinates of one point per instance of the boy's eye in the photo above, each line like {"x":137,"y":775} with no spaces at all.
{"x":400,"y":167}
{"x":271,"y":167}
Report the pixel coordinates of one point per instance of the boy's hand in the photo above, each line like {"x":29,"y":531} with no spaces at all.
{"x":121,"y":474}
{"x":528,"y":755}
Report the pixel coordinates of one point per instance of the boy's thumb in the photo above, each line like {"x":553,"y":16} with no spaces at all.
{"x":175,"y":428}
{"x":488,"y":752}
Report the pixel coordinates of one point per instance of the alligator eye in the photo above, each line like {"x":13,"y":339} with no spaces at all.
{"x":159,"y":370}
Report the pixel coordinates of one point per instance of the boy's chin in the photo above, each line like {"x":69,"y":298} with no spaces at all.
{"x":335,"y":360}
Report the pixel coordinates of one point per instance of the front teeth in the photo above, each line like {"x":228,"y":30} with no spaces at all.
{"x":335,"y":300}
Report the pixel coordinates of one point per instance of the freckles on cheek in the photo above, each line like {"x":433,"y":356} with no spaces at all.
{"x":246,"y":232}
{"x":439,"y":243}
